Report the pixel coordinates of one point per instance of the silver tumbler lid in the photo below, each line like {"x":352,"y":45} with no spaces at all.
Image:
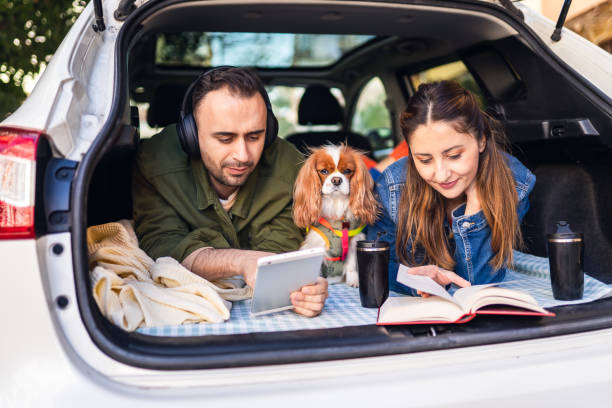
{"x":366,"y":245}
{"x":564,"y":233}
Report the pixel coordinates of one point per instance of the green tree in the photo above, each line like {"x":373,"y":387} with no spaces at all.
{"x":30,"y":32}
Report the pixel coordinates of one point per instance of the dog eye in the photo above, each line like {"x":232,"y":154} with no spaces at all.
{"x":323,"y":171}
{"x":347,"y":171}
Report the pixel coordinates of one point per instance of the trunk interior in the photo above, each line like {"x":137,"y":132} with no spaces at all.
{"x":557,"y":127}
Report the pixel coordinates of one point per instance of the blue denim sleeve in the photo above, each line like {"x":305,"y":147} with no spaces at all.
{"x":472,"y":233}
{"x":524,"y":181}
{"x":385,"y":227}
{"x":523,"y":189}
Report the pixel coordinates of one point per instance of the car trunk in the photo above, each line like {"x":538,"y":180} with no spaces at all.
{"x":543,"y":107}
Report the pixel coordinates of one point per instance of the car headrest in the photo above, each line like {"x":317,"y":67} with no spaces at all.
{"x":319,"y":107}
{"x":165,"y":106}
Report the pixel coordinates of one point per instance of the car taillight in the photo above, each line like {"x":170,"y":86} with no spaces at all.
{"x":17,"y":182}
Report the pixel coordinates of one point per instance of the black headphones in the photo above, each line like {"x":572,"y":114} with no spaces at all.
{"x":188,"y":131}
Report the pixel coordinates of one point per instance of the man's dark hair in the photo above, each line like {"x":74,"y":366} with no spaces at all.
{"x":241,"y":81}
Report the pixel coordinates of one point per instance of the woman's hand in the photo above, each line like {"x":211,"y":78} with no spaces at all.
{"x":439,"y":275}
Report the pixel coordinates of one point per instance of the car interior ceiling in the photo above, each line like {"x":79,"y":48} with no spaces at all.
{"x":543,"y":115}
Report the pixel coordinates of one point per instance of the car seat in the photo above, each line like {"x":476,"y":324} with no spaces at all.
{"x":165,"y":105}
{"x":572,"y":184}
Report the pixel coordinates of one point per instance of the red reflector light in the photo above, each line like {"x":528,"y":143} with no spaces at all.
{"x":17,"y":182}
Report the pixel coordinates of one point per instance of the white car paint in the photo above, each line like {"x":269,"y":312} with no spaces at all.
{"x":73,"y":95}
{"x":590,"y":61}
{"x":49,"y":359}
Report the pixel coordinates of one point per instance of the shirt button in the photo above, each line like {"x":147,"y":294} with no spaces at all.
{"x":466,"y":224}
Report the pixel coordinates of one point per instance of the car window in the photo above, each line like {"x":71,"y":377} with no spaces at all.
{"x":454,"y":71}
{"x":270,"y":50}
{"x":372,"y":118}
{"x":285,"y":101}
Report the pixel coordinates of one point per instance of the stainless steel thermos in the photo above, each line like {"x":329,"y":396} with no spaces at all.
{"x":566,"y":259}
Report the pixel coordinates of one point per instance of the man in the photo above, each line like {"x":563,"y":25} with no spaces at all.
{"x":228,"y":202}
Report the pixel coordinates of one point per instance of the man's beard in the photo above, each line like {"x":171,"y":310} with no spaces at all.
{"x":228,"y":180}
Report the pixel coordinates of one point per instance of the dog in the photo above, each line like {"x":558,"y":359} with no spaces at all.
{"x":333,"y":200}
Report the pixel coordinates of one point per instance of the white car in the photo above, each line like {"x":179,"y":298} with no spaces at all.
{"x":66,"y":154}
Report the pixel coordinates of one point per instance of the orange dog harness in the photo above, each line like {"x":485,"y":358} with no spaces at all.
{"x":344,"y":234}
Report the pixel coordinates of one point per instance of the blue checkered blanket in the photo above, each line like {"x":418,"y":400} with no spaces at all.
{"x":343,"y":308}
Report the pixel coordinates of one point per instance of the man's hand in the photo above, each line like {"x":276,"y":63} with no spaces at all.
{"x":249,"y":265}
{"x":222,"y":263}
{"x":441,"y":276}
{"x":213,"y":264}
{"x":310,"y":299}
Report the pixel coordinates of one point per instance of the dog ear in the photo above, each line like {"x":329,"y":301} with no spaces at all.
{"x":307,"y":194}
{"x":362,"y":202}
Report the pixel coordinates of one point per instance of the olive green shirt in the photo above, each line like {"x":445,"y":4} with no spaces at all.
{"x":176,"y":210}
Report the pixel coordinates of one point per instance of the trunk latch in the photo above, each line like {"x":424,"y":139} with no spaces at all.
{"x":57,"y":185}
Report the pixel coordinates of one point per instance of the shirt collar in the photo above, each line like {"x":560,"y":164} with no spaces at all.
{"x":245,"y":195}
{"x":207,"y":196}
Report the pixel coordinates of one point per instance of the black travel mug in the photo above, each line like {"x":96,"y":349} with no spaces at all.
{"x":566,"y":257}
{"x":373,"y":265}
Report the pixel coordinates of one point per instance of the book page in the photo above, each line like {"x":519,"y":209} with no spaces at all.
{"x":422,"y":283}
{"x":470,"y":298}
{"x":504,"y":296}
{"x":465,"y":296}
{"x":408,"y":309}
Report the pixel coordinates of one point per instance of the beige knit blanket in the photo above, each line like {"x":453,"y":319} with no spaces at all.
{"x":133,"y":291}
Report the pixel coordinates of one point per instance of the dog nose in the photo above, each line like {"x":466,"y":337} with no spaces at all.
{"x":336,"y":181}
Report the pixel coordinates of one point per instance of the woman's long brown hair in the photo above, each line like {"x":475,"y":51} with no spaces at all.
{"x":422,"y":209}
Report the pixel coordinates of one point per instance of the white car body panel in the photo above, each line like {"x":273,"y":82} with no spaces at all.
{"x":50,"y":370}
{"x":590,"y":61}
{"x":73,"y":95}
{"x":49,"y":359}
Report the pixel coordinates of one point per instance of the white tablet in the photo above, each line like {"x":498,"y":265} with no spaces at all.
{"x":279,"y":275}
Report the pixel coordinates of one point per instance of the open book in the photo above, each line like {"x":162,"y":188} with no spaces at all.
{"x":460,"y":307}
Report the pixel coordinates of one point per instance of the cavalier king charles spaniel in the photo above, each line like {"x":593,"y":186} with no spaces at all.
{"x":333,"y":201}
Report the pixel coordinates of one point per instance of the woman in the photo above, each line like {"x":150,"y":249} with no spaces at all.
{"x":453,"y":205}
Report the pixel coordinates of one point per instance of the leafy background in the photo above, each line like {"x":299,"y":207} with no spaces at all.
{"x":30,"y":32}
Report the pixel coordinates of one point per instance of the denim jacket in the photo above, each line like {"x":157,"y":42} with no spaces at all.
{"x":471,"y":233}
